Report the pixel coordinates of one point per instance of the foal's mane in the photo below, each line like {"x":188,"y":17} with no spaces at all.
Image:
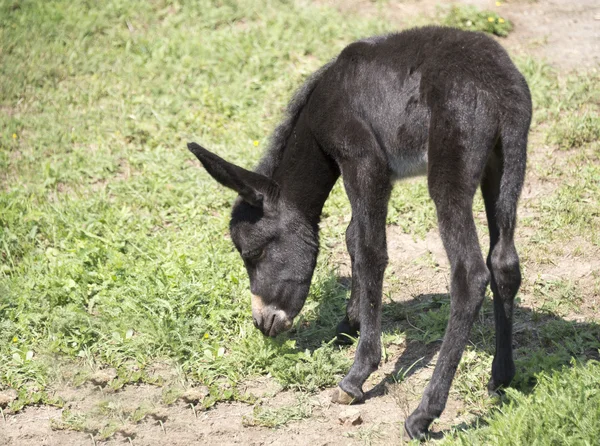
{"x":284,"y":130}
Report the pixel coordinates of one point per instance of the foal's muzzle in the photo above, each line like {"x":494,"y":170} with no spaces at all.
{"x":268,"y":318}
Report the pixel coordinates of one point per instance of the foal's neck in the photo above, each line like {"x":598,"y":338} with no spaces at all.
{"x":305,"y":174}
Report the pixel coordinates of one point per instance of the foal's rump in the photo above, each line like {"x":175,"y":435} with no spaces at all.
{"x":426,"y":94}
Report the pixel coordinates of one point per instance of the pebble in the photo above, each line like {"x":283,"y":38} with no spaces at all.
{"x":350,"y":416}
{"x":195,"y":394}
{"x":103,"y":377}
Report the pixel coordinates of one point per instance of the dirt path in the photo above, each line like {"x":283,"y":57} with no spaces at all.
{"x":567,"y":34}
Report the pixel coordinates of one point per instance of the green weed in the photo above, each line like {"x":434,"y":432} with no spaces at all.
{"x":470,"y":18}
{"x":471,"y":380}
{"x":310,"y":371}
{"x":557,"y":296}
{"x":276,"y":417}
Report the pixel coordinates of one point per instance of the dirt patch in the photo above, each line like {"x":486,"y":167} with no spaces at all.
{"x":416,"y":266}
{"x":566,"y":34}
{"x":32,"y":426}
{"x":108,"y":417}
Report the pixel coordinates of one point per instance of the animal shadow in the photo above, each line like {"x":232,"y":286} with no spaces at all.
{"x":543,"y":341}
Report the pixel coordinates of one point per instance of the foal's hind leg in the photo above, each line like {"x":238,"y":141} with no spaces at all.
{"x":469,"y":279}
{"x":459,"y":146}
{"x":503,"y":261}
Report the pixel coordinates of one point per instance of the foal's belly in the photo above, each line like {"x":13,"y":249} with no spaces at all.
{"x":407,"y":148}
{"x":405,"y":165}
{"x":405,"y":133}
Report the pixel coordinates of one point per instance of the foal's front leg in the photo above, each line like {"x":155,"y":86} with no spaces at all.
{"x":368,"y":187}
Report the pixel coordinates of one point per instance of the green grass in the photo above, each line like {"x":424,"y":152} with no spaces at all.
{"x":269,"y":417}
{"x":564,"y":409}
{"x":113,"y":242}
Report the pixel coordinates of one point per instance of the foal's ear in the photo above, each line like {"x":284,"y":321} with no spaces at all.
{"x":252,"y":187}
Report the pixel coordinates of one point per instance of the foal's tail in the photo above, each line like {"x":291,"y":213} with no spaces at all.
{"x":512,"y":146}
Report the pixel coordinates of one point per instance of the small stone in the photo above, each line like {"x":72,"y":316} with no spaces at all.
{"x":127,"y":431}
{"x":195,"y":394}
{"x":159,"y":415}
{"x":350,"y":416}
{"x":103,"y":377}
{"x":7,"y":396}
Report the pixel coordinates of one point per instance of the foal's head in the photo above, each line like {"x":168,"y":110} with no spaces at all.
{"x":277,"y":242}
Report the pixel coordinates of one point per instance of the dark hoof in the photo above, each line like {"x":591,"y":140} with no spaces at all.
{"x":496,"y":389}
{"x":345,"y":333}
{"x":503,"y":373}
{"x":416,"y":428}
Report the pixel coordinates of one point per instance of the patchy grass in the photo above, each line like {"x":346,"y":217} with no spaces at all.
{"x":276,"y":417}
{"x":111,"y":238}
{"x":114,"y":251}
{"x":563,"y":409}
{"x":575,"y":130}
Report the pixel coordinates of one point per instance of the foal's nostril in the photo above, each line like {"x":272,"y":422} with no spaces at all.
{"x":258,"y":319}
{"x":269,"y":323}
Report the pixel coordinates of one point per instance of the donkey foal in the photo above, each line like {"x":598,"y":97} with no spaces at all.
{"x":433,"y":100}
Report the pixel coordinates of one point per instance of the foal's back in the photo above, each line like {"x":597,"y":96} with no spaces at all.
{"x":401,"y":85}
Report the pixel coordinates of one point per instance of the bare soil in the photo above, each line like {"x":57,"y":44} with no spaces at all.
{"x":564,"y":33}
{"x":567,"y":34}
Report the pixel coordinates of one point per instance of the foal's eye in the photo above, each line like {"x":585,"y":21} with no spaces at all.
{"x":254,"y":255}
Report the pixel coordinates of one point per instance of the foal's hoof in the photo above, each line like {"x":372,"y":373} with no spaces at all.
{"x":341,"y":397}
{"x":496,"y":392}
{"x":416,"y":428}
{"x":408,"y":435}
{"x":496,"y":389}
